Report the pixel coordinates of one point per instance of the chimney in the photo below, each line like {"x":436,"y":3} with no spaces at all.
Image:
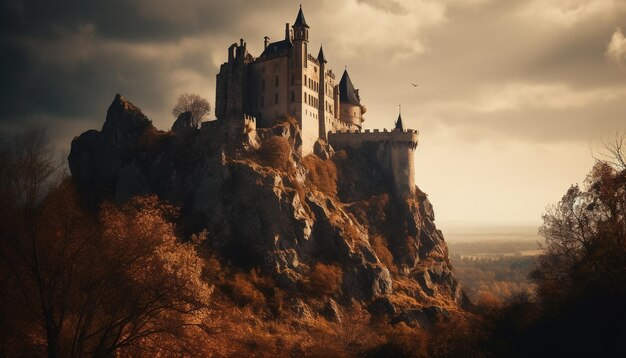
{"x":287,"y":31}
{"x":266,"y":42}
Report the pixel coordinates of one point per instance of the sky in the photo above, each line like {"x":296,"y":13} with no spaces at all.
{"x":513,"y":96}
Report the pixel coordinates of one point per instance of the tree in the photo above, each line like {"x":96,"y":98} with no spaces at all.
{"x":189,"y":102}
{"x":581,"y":276}
{"x":586,"y":230}
{"x":77,"y":283}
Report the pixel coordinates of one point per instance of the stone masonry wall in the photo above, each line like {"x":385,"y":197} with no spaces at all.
{"x":395,"y":153}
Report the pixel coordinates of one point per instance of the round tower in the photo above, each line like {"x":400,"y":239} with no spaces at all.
{"x":351,"y":110}
{"x":403,"y":144}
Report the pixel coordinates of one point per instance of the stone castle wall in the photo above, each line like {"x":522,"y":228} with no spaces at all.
{"x":395,"y":153}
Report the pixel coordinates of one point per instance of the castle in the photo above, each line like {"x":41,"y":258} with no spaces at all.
{"x":288,"y":80}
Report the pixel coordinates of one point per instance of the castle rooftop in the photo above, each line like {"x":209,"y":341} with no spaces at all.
{"x":300,"y":21}
{"x":276,"y":48}
{"x":347,"y":93}
{"x":399,"y":125}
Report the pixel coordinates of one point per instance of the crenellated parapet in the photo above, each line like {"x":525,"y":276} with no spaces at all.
{"x":355,"y":138}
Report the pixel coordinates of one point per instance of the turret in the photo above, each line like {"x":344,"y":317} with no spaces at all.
{"x":320,"y":57}
{"x":351,"y":110}
{"x":321,"y":94}
{"x":300,"y":38}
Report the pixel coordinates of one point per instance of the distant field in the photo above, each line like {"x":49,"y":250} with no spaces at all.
{"x":469,"y":233}
{"x":493,"y":260}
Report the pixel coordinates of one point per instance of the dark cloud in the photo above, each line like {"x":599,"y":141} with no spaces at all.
{"x":126,"y":19}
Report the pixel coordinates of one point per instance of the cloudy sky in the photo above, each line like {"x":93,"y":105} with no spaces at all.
{"x":513,"y":95}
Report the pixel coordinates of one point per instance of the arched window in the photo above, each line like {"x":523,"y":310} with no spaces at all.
{"x":276,"y":82}
{"x":276,"y":99}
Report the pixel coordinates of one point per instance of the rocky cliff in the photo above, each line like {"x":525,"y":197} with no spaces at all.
{"x":262,"y":206}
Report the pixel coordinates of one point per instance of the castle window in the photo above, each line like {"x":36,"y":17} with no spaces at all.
{"x":262,"y":101}
{"x":275,"y":99}
{"x":305,"y":80}
{"x":293,"y":80}
{"x":263,"y":84}
{"x":293,"y":97}
{"x":276,"y":82}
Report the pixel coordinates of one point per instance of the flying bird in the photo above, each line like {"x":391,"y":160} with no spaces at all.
{"x":414,"y":85}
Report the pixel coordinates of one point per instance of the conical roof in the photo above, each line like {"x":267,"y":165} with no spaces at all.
{"x":300,"y":21}
{"x":320,"y":56}
{"x":399,"y":125}
{"x":347,"y":93}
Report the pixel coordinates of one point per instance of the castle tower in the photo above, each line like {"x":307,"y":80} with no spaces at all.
{"x":300,"y":39}
{"x":351,"y":110}
{"x":231,"y":100}
{"x":403,"y":144}
{"x":322,"y":94}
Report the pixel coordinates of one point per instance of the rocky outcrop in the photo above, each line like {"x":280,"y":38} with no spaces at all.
{"x":183,"y":123}
{"x":262,"y":216}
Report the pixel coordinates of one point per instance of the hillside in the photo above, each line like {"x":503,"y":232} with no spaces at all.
{"x":264,"y":208}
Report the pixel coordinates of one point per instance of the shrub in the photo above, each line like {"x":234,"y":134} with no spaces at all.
{"x":245,"y":293}
{"x":379,"y":245}
{"x":275,"y":152}
{"x":322,"y":174}
{"x":402,"y":341}
{"x":325,"y":279}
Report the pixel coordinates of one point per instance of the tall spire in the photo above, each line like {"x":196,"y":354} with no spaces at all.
{"x":320,"y":56}
{"x":399,"y":125}
{"x":300,"y":21}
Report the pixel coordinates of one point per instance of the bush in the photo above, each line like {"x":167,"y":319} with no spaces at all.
{"x":379,"y":245}
{"x":325,"y":279}
{"x":322,"y":174}
{"x":275,"y":152}
{"x":245,"y":293}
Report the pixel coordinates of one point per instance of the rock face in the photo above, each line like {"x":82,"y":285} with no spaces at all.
{"x":183,"y":123}
{"x":392,"y":257}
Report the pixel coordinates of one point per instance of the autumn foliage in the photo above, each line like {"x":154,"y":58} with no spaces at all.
{"x":322,"y":174}
{"x":276,"y":152}
{"x":81,"y":283}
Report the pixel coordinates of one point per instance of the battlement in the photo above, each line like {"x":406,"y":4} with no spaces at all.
{"x":355,"y":138}
{"x":249,"y":118}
